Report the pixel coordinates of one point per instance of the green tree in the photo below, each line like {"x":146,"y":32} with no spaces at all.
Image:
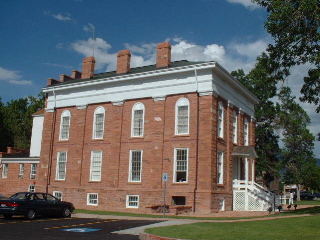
{"x":17,"y":120}
{"x":297,"y":154}
{"x":261,"y":82}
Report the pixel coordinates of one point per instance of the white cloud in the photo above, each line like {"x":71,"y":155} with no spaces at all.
{"x":247,"y":3}
{"x":61,"y":17}
{"x":12,"y":77}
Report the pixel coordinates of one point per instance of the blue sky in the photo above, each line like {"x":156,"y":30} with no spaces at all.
{"x":41,"y":39}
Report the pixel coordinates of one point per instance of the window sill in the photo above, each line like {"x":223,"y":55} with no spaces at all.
{"x":135,"y":183}
{"x":181,"y":135}
{"x":179,"y":183}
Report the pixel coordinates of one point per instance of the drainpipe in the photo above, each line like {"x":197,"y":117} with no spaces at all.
{"x":197,"y":143}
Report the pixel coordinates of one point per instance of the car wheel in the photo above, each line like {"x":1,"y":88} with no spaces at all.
{"x":66,"y":212}
{"x":30,"y":214}
{"x":7,"y":216}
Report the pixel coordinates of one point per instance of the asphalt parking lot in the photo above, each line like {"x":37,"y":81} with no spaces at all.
{"x":68,"y":228}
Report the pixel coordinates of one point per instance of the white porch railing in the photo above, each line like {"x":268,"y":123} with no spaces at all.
{"x":250,"y":196}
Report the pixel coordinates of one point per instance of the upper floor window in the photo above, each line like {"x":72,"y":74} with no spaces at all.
{"x":65,"y":125}
{"x":95,"y":168}
{"x":61,"y":166}
{"x":98,"y":123}
{"x":181,"y":164}
{"x":220,"y":168}
{"x":137,"y":120}
{"x":21,"y":170}
{"x":5,"y":168}
{"x":135,"y":165}
{"x":246,"y":132}
{"x":33,"y":172}
{"x":220,"y":119}
{"x":182,"y":116}
{"x":235,"y":126}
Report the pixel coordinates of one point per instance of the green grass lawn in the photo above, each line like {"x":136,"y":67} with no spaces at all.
{"x":288,"y":228}
{"x":309,"y":202}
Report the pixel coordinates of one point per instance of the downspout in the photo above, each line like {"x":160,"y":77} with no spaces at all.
{"x":120,"y":144}
{"x":82,"y":153}
{"x":197,"y":141}
{"x":53,"y":127}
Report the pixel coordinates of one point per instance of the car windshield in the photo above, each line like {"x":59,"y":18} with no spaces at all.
{"x":18,"y":196}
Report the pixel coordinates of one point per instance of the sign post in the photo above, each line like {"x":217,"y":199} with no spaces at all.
{"x":164,"y":179}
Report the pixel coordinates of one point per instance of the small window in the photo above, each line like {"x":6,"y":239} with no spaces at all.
{"x":220,"y":120}
{"x":92,"y":199}
{"x":246,"y":132}
{"x":58,"y":194}
{"x":132,"y":201}
{"x":181,"y":164}
{"x":235,"y":127}
{"x":65,"y":125}
{"x":61,"y":166}
{"x":137,"y":120}
{"x":135,"y":165}
{"x":21,"y":170}
{"x":178,"y":200}
{"x":96,"y":163}
{"x":220,"y":168}
{"x":5,"y":168}
{"x":222,"y":204}
{"x":33,"y":172}
{"x":98,"y":124}
{"x":31,"y":188}
{"x":182,"y":116}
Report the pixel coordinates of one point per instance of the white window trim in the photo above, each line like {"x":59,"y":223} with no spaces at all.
{"x":5,"y":169}
{"x":65,"y":113}
{"x":137,"y":106}
{"x":99,"y":110}
{"x":65,"y":166}
{"x":220,"y":120}
{"x":175,"y":165}
{"x":180,"y":103}
{"x":246,"y":132}
{"x":128,"y":202}
{"x":88,"y":199}
{"x":220,"y":167}
{"x":31,"y":188}
{"x":235,"y":127}
{"x":58,"y":194}
{"x":91,"y":167}
{"x":21,"y":170}
{"x":33,"y":170}
{"x":130,"y":165}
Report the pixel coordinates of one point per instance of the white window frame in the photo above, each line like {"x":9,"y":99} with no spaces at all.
{"x":21,"y":170}
{"x":183,"y":163}
{"x":222,"y":203}
{"x":135,"y":167}
{"x":98,"y":127}
{"x":93,"y":199}
{"x":220,"y":120}
{"x":246,"y":132}
{"x":220,"y":168}
{"x":5,"y":168}
{"x":61,"y":166}
{"x":132,"y":201}
{"x":58,"y":194}
{"x":137,"y":124}
{"x":182,"y":118}
{"x":65,"y":125}
{"x":96,"y":166}
{"x":235,"y":126}
{"x":31,"y":188}
{"x":33,"y":170}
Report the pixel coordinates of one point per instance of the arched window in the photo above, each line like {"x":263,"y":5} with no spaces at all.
{"x":65,"y":125}
{"x":220,"y":119}
{"x":246,"y":132}
{"x":235,"y":126}
{"x":98,"y":123}
{"x":137,"y":120}
{"x":182,"y":116}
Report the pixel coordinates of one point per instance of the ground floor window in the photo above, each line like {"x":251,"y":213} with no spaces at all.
{"x":178,"y":200}
{"x":31,"y":188}
{"x":58,"y":194}
{"x":132,"y":201}
{"x":92,"y":199}
{"x":222,"y":204}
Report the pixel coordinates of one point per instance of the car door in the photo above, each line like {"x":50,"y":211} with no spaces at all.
{"x":41,"y":204}
{"x":54,"y":206}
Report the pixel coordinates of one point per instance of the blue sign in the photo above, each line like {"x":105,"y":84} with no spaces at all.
{"x":80,"y":230}
{"x":165,"y":177}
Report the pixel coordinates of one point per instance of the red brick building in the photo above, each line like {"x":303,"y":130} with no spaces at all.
{"x":108,"y":139}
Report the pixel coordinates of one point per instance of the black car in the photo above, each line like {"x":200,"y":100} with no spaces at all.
{"x":31,"y":204}
{"x":3,"y":197}
{"x":306,"y":195}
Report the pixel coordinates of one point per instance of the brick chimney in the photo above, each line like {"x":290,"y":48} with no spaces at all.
{"x":123,"y":62}
{"x":88,"y":67}
{"x":163,"y":54}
